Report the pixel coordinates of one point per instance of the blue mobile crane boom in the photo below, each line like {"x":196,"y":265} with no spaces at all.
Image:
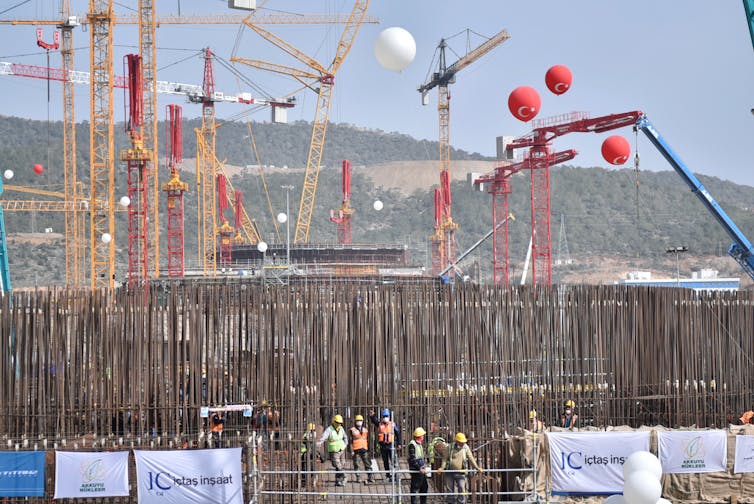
{"x":741,"y":250}
{"x":749,"y":8}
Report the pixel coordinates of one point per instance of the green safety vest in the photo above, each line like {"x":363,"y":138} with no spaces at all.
{"x":305,"y":440}
{"x":336,"y":440}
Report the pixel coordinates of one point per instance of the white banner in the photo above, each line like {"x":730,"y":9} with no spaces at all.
{"x":693,"y":451}
{"x":592,"y":462}
{"x":181,"y":476}
{"x":91,"y":474}
{"x":744,"y":462}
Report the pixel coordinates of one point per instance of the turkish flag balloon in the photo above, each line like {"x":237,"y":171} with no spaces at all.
{"x":616,"y":149}
{"x":524,"y":103}
{"x":558,"y":79}
{"x":38,"y":169}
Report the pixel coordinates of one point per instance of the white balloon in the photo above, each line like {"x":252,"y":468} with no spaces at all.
{"x":125,"y":201}
{"x":106,"y":238}
{"x":378,"y":205}
{"x":262,"y":247}
{"x":642,"y":487}
{"x":642,"y":461}
{"x":615,"y":499}
{"x":8,"y":174}
{"x":395,"y":48}
{"x":282,"y":218}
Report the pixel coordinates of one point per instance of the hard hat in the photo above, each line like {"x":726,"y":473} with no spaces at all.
{"x":386,"y":412}
{"x":570,"y":404}
{"x":337,"y":419}
{"x":532,"y":414}
{"x":265,"y":403}
{"x":461,"y":438}
{"x":419,"y":432}
{"x":311,"y":426}
{"x":359,"y":417}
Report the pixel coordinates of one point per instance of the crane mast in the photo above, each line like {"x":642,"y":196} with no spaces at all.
{"x":175,"y":188}
{"x":137,"y":158}
{"x":343,"y":220}
{"x":206,"y":172}
{"x":443,"y":241}
{"x":101,"y":145}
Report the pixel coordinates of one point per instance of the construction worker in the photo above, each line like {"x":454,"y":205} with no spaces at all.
{"x":216,"y":426}
{"x":308,"y":452}
{"x":457,"y":460}
{"x":337,"y":441}
{"x":569,"y":419}
{"x":388,"y":438}
{"x":417,"y":466}
{"x":535,"y":424}
{"x":360,"y":447}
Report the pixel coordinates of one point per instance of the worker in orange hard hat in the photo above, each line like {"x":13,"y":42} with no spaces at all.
{"x":360,"y":448}
{"x":337,"y":440}
{"x":569,"y":419}
{"x":418,"y":467}
{"x":535,"y":424}
{"x":456,"y":463}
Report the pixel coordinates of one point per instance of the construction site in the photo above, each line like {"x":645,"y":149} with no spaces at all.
{"x":274,"y":329}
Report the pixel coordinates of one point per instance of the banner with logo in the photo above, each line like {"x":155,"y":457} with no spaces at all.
{"x":22,"y":474}
{"x":91,"y":474}
{"x":744,"y":461}
{"x":592,"y":462}
{"x":181,"y":476}
{"x":693,"y":451}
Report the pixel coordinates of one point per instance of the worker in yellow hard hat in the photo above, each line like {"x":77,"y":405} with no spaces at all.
{"x":569,"y":418}
{"x":418,"y":467}
{"x":308,"y":452}
{"x":457,"y":460}
{"x":535,"y":424}
{"x":360,"y":448}
{"x":337,"y":441}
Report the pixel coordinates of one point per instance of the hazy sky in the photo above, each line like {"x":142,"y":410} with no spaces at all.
{"x":689,"y":66}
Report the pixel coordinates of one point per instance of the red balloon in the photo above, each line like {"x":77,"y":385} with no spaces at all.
{"x":524,"y":103}
{"x":38,"y":169}
{"x":558,"y":79}
{"x":616,"y":150}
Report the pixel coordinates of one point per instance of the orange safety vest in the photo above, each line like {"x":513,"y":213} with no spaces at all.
{"x":386,"y":432}
{"x":359,"y":437}
{"x":217,"y":427}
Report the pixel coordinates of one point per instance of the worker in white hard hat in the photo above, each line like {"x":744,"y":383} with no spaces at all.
{"x":337,"y":441}
{"x":360,"y":447}
{"x":418,"y":467}
{"x":455,"y":465}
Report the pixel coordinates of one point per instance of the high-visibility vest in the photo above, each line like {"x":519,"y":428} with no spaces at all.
{"x":359,"y":438}
{"x":386,"y":432}
{"x":336,"y":440}
{"x":306,"y":440}
{"x":418,"y":450}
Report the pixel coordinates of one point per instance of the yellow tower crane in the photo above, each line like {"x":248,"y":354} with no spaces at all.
{"x":325,"y":77}
{"x":443,"y":237}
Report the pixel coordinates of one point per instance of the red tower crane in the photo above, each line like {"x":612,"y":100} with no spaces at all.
{"x":539,"y":141}
{"x":175,"y":188}
{"x":137,"y":158}
{"x":437,"y":239}
{"x":225,"y":231}
{"x":343,"y":220}
{"x":499,"y":187}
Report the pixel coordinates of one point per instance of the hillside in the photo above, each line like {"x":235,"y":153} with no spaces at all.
{"x":608,"y":227}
